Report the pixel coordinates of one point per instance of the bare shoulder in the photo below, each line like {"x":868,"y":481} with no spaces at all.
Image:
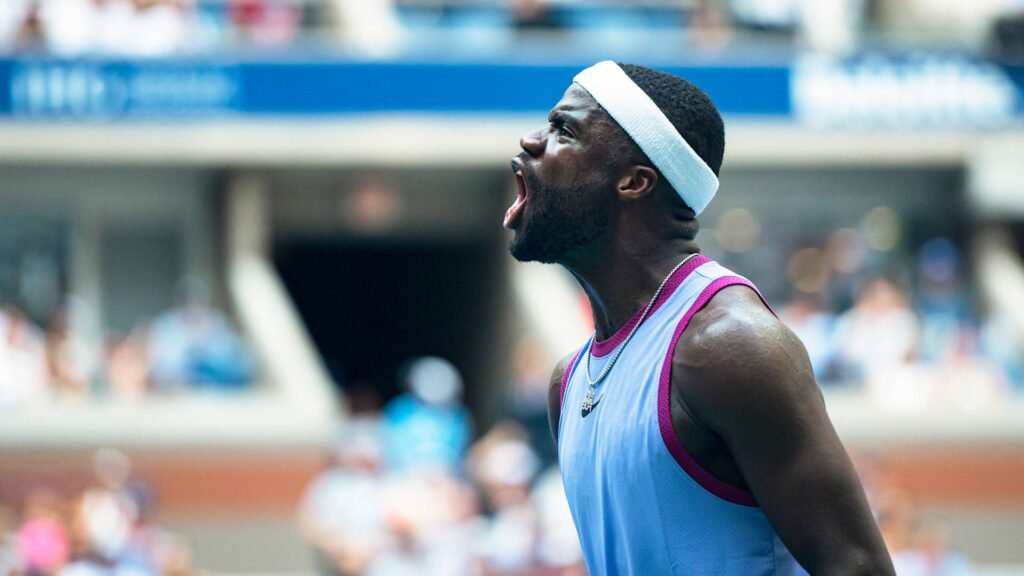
{"x":733,"y":322}
{"x":555,"y":392}
{"x":735,"y":350}
{"x":740,"y":374}
{"x":555,"y":385}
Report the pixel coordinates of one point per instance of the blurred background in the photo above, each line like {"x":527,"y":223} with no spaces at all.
{"x":257,"y":314}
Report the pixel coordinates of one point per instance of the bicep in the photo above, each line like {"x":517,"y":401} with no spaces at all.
{"x":766,"y":406}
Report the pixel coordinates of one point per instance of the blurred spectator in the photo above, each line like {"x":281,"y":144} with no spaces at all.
{"x":155,"y":28}
{"x":954,"y":21}
{"x":191,"y":346}
{"x":941,"y":300}
{"x":531,"y":376}
{"x":931,"y":555}
{"x":265,"y":22}
{"x":806,"y":316}
{"x":14,"y":16}
{"x":936,"y":352}
{"x":1001,"y":344}
{"x":559,"y":547}
{"x":405,"y":558}
{"x":66,"y":356}
{"x":917,"y":548}
{"x":878,"y":332}
{"x":128,"y":364}
{"x":109,"y":529}
{"x":23,"y":358}
{"x":965,"y":380}
{"x":343,"y":512}
{"x":711,"y":26}
{"x":961,"y":379}
{"x":895,"y":511}
{"x":43,"y":543}
{"x":369,"y":521}
{"x":70,"y":27}
{"x":103,"y":523}
{"x":194,"y":345}
{"x":831,"y":26}
{"x":529,"y":529}
{"x":103,"y":518}
{"x":452,"y":544}
{"x":371,"y":28}
{"x":9,"y":554}
{"x":151,"y":549}
{"x":766,"y":15}
{"x":427,"y":427}
{"x":116,"y":529}
{"x":433,"y":520}
{"x":505,"y":468}
{"x":143,"y":28}
{"x":536,"y":15}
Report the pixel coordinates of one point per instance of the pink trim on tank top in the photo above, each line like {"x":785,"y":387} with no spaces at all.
{"x":723,"y":490}
{"x":565,"y":377}
{"x":605,"y":347}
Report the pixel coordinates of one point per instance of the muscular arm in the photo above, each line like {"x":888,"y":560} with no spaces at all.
{"x":745,"y":378}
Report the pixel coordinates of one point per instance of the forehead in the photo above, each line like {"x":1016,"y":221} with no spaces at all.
{"x":580,"y":104}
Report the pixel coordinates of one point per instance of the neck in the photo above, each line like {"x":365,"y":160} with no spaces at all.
{"x":623,"y":281}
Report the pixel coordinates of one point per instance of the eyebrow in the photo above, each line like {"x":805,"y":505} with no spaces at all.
{"x":564,"y":115}
{"x":563,"y":110}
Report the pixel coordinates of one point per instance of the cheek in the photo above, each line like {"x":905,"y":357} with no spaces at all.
{"x":573,"y":175}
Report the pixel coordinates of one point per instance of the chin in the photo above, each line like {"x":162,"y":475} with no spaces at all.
{"x":554,"y":239}
{"x":525,"y":252}
{"x":520,"y":252}
{"x":521,"y":249}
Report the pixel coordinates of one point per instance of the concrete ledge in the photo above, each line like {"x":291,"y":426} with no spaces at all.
{"x":412,"y":140}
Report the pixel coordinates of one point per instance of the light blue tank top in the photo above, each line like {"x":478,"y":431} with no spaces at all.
{"x":641,"y":504}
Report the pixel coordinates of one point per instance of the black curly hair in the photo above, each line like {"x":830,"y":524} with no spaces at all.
{"x":689,"y":109}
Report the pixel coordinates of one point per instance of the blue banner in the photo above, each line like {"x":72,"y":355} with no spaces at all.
{"x":107,"y":90}
{"x":881,"y":91}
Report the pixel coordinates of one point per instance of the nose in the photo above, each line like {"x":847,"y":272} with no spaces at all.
{"x":532,"y":143}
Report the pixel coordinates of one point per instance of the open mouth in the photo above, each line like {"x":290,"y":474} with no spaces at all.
{"x":515,"y":211}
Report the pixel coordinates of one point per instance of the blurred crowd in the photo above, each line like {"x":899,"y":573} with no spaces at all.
{"x":191,"y":346}
{"x":109,"y":528}
{"x":882,"y":308}
{"x":146,"y":28}
{"x":912,"y":340}
{"x":919,"y":545}
{"x":149,"y":28}
{"x":407,"y":493}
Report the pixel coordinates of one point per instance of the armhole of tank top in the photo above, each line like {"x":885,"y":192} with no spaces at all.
{"x":570,"y":369}
{"x":695,"y":471}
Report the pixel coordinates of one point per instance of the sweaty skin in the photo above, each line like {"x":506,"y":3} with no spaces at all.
{"x":744,"y":401}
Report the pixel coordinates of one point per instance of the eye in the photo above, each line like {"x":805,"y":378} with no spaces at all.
{"x":561,"y":128}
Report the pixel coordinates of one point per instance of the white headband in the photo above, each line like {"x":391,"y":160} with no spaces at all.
{"x":647,"y":125}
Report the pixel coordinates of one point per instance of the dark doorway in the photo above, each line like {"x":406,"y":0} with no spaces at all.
{"x":370,"y":307}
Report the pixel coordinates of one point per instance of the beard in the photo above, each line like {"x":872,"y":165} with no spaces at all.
{"x":560,"y":220}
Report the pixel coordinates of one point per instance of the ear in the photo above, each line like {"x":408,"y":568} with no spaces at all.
{"x":638,"y":182}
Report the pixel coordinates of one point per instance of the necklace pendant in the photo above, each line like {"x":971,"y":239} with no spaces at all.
{"x":588,"y":401}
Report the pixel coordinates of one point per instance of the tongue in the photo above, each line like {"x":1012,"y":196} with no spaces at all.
{"x":513,"y":212}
